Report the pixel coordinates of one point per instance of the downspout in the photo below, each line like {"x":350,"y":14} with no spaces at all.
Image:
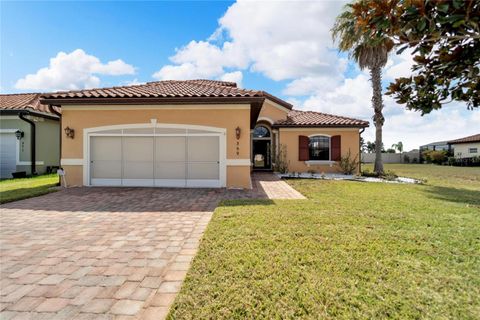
{"x":33,"y":141}
{"x":52,"y":110}
{"x":360,"y":150}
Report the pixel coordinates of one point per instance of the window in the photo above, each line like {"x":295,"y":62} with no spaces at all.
{"x":472,"y":150}
{"x":261,"y":132}
{"x":319,"y":148}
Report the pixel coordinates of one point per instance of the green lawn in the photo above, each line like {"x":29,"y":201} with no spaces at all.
{"x":17,"y":189}
{"x":353,"y":250}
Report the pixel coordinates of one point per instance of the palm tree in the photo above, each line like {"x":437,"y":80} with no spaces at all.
{"x":370,"y":51}
{"x":398,"y":146}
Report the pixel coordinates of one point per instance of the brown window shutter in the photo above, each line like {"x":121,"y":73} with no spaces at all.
{"x":336,"y":144}
{"x":303,"y":151}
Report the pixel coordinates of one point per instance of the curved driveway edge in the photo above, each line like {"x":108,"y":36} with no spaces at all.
{"x":104,"y":253}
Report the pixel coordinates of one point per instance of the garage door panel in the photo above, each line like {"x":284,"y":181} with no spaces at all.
{"x":105,"y":158}
{"x":201,"y":170}
{"x":170,"y":149}
{"x":171,"y":159}
{"x":203,"y":148}
{"x":170,"y":170}
{"x":8,"y":156}
{"x":138,"y":158}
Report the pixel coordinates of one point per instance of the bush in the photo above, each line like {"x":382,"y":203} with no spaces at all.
{"x":437,"y":157}
{"x":387,"y":175}
{"x":281,"y":162}
{"x":406,"y":159}
{"x":369,"y":174}
{"x":347,"y":164}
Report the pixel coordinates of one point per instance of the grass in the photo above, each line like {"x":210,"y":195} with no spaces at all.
{"x":17,"y":189}
{"x":353,"y":250}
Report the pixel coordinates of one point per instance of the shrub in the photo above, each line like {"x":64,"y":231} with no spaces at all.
{"x":368,"y":173}
{"x":281,"y":162}
{"x":389,"y":175}
{"x":347,"y":164}
{"x":437,"y":157}
{"x":406,"y":159}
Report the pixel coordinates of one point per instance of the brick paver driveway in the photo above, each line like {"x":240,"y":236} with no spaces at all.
{"x":104,"y":253}
{"x":99,"y":253}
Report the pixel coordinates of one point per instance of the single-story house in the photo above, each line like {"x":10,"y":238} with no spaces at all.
{"x":29,"y":135}
{"x":436,"y":146}
{"x":466,"y":147}
{"x":194,"y":133}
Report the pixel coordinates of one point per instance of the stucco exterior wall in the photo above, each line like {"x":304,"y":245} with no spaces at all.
{"x":272,"y":111}
{"x":350,"y":140}
{"x":47,"y":142}
{"x":238,"y":177}
{"x":221,"y":116}
{"x":461,"y":150}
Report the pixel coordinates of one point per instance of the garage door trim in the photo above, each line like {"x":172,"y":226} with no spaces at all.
{"x":211,"y":131}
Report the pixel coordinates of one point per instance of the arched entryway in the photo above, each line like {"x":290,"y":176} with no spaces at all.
{"x":262,"y":147}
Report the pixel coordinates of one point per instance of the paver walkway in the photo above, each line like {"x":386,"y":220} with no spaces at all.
{"x":106,"y":253}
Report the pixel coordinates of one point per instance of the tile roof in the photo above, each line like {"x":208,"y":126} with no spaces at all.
{"x":23,"y":101}
{"x":167,"y":89}
{"x":297,"y":118}
{"x":474,"y":138}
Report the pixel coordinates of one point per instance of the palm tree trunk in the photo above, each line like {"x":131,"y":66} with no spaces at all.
{"x":378,"y":119}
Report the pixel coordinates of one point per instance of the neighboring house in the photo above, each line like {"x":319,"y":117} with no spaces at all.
{"x":24,"y":119}
{"x":196,"y":133}
{"x":436,"y":146}
{"x":467,"y":147}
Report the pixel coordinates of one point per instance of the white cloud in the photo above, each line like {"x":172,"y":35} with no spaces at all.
{"x":71,"y":71}
{"x":352,"y":98}
{"x":281,"y":40}
{"x":235,"y":76}
{"x":414,"y":130}
{"x":399,"y":65}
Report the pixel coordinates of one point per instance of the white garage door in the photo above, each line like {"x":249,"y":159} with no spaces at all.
{"x":161,"y":157}
{"x":8,"y":154}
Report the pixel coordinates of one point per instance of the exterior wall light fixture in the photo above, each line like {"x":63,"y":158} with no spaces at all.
{"x":69,"y":132}
{"x":19,"y":134}
{"x":238,"y":131}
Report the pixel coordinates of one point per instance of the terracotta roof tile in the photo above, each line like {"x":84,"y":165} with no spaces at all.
{"x":167,"y":88}
{"x":23,"y":101}
{"x":474,"y":138}
{"x":297,"y":118}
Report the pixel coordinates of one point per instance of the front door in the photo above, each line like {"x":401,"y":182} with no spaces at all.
{"x":261,"y":154}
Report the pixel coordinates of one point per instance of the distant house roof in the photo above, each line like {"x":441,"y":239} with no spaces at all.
{"x":168,"y":90}
{"x":438,"y":143}
{"x":24,"y":102}
{"x":469,"y":139}
{"x":297,"y":118}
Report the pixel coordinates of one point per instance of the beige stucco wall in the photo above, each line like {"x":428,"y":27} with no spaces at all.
{"x":238,"y":177}
{"x":461,"y":150}
{"x":289,"y":138}
{"x":272,"y":111}
{"x":73,"y":176}
{"x":221,"y":116}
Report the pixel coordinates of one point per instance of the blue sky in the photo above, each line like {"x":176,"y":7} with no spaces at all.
{"x":284,"y":48}
{"x":143,"y":34}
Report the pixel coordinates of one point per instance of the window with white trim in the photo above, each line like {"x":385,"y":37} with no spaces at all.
{"x":319,"y":148}
{"x":472,"y":150}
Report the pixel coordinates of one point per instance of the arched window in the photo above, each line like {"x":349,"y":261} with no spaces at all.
{"x":261,"y":132}
{"x":319,"y":148}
